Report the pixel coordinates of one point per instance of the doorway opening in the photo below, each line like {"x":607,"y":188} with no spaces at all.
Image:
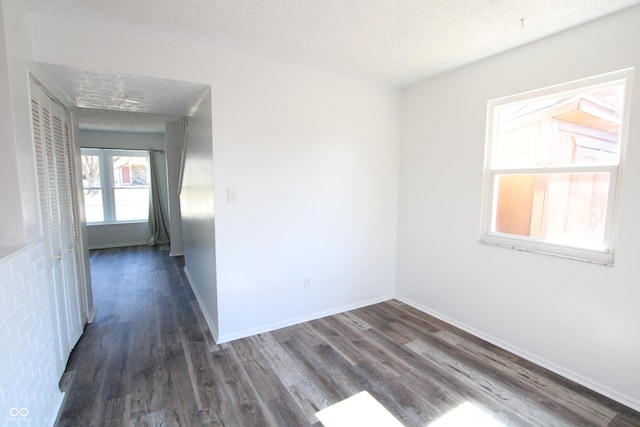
{"x":126,"y":115}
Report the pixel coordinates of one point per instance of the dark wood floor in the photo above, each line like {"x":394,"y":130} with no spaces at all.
{"x":148,"y":359}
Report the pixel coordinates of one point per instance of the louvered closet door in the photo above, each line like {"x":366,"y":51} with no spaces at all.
{"x":50,"y":121}
{"x":52,"y":271}
{"x":66,"y":225}
{"x":50,"y":218}
{"x":73,"y":247}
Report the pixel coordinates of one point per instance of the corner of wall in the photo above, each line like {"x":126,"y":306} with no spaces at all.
{"x":210,"y":323}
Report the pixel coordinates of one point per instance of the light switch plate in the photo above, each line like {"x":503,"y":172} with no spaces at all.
{"x":232,"y":196}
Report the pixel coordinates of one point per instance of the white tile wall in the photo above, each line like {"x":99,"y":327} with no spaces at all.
{"x":29,"y":393}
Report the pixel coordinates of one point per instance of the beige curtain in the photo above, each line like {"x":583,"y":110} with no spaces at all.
{"x":157,"y":222}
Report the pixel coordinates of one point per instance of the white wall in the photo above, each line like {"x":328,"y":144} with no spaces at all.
{"x":84,"y":261}
{"x":313,"y":157}
{"x":578,"y":319}
{"x":11,"y":226}
{"x":28,"y":361}
{"x":24,"y":219}
{"x":198,"y":214}
{"x":135,"y":233}
{"x":18,"y":148}
{"x":314,"y":160}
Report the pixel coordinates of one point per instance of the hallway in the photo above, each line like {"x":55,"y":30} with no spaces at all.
{"x":131,"y":363}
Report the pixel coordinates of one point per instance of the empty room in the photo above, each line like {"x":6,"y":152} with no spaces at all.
{"x":398,"y":212}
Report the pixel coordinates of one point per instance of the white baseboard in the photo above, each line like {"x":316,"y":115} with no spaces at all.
{"x":547,"y":364}
{"x":277,"y":325}
{"x":56,"y":410}
{"x":301,"y":319}
{"x":212,"y":326}
{"x":176,"y":253}
{"x":91,"y":315}
{"x":119,"y":245}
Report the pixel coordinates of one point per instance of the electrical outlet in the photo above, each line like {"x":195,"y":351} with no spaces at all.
{"x":307,"y":283}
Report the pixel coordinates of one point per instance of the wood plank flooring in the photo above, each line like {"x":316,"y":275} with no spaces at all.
{"x":148,"y":359}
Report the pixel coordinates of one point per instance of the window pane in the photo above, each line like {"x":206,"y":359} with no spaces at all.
{"x":90,"y":171}
{"x":561,"y":208}
{"x":130,"y":171}
{"x":132,"y":203}
{"x":131,"y":187}
{"x":569,"y":129}
{"x":93,"y":208}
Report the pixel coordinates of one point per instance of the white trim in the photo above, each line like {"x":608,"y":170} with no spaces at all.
{"x":56,"y":410}
{"x":277,"y":325}
{"x":7,"y":251}
{"x":551,"y":170}
{"x":91,"y":315}
{"x":601,"y":80}
{"x":176,"y":253}
{"x":297,"y":320}
{"x":129,"y":221}
{"x":212,"y":326}
{"x":13,"y":252}
{"x":527,"y":244}
{"x":119,"y":245}
{"x":531,"y":357}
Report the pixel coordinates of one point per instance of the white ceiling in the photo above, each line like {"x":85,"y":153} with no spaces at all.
{"x":390,"y":41}
{"x":395,"y":42}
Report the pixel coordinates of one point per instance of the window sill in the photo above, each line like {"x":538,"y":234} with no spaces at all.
{"x":534,"y":246}
{"x":103,"y":224}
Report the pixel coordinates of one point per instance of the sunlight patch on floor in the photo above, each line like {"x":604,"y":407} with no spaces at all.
{"x":466,"y":415}
{"x":361,"y":409}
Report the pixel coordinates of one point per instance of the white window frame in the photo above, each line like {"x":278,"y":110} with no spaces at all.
{"x":606,"y":256}
{"x":105,"y":161}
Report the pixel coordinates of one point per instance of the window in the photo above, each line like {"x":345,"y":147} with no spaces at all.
{"x":552,"y":168}
{"x":116,"y":185}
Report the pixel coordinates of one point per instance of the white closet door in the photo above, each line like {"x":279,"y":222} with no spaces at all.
{"x":74,"y":257}
{"x":52,"y":273}
{"x":49,"y":216}
{"x":57,"y":214}
{"x":66,"y":225}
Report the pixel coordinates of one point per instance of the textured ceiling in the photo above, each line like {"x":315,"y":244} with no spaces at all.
{"x":395,"y":42}
{"x":390,"y":41}
{"x":125,"y":92}
{"x":115,"y":101}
